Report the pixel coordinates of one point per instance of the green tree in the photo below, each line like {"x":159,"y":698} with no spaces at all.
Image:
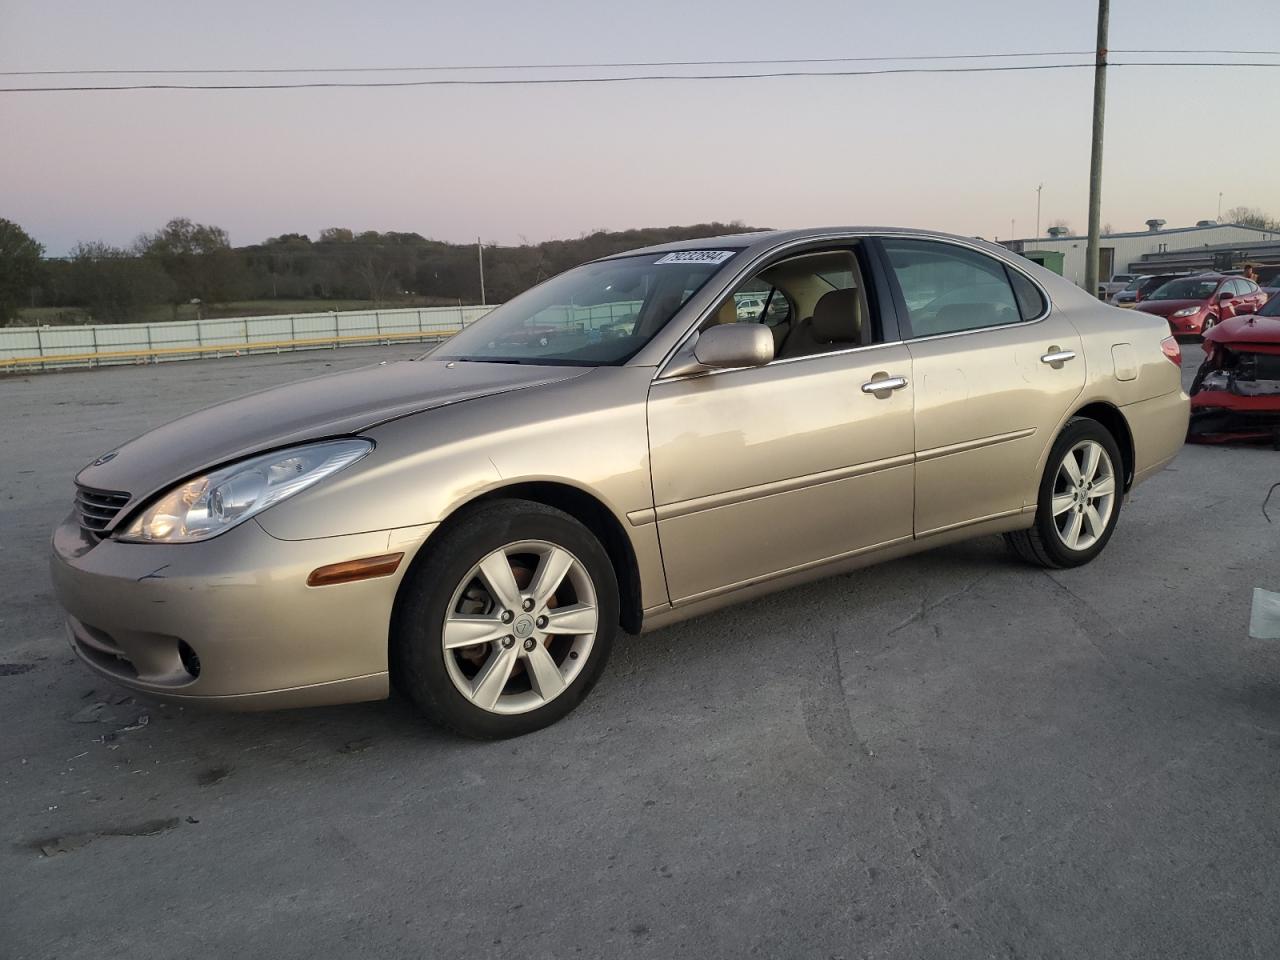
{"x":19,"y":267}
{"x":113,"y":283}
{"x":198,"y":259}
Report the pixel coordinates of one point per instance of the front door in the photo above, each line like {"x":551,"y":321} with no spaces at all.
{"x":994,"y":376}
{"x":766,"y":470}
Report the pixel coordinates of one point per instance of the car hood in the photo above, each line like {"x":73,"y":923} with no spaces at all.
{"x":1162,"y":308}
{"x":333,"y":405}
{"x":1247,"y":334}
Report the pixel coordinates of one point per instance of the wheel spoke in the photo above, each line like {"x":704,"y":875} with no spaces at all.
{"x":553,"y":566}
{"x":577,"y":619}
{"x":1104,"y":487}
{"x":495,"y":570}
{"x":1094,"y":521}
{"x":1071,"y":467}
{"x":1092,"y":457}
{"x":493,"y":676}
{"x":1062,"y":503}
{"x":544,"y":675}
{"x":1071,"y":536}
{"x":464,"y":631}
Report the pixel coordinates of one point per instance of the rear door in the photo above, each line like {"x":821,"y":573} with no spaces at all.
{"x":995,"y":371}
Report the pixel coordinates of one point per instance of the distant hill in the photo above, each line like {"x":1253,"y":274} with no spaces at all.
{"x":383,"y":266}
{"x":187,"y":270}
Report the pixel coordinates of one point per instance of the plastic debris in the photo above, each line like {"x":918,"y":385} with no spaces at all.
{"x":1264,"y":619}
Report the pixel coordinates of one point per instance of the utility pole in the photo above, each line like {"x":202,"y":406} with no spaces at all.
{"x":1095,"y":155}
{"x":480,"y":253}
{"x":1219,"y":204}
{"x":1013,"y":229}
{"x":1038,"y":189}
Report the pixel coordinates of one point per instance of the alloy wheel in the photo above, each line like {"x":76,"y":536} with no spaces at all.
{"x":1084,"y":495}
{"x":520,"y":627}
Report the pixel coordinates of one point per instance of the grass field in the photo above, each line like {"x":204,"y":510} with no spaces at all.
{"x":158,"y":313}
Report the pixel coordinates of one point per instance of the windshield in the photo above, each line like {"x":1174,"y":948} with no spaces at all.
{"x":1134,"y":283}
{"x":599,"y":314}
{"x":1272,"y":308}
{"x":1189,"y":288}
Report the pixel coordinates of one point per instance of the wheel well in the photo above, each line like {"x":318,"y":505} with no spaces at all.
{"x":597,"y":518}
{"x":1111,"y":418}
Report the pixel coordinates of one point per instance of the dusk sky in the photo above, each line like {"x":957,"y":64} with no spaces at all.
{"x":958,"y":152}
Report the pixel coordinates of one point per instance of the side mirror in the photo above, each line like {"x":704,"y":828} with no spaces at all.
{"x":734,"y":345}
{"x":1225,"y":295}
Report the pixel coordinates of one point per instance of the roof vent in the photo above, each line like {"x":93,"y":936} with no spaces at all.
{"x":1155,"y":225}
{"x":1206,"y":223}
{"x":1058,"y":231}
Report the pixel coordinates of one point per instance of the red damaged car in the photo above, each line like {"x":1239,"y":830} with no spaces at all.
{"x":1236,"y":391}
{"x":1195,"y":304}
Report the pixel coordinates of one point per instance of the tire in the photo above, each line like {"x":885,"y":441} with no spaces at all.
{"x":514,"y":653}
{"x":1045,"y":543}
{"x":1208,"y":324}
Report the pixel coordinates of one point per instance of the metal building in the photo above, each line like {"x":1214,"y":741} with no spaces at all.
{"x":1124,"y":252}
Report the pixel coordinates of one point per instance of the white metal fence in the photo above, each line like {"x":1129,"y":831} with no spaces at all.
{"x":48,"y":348}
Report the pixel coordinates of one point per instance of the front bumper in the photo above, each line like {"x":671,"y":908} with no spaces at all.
{"x":1186,"y":326}
{"x":230,"y":622}
{"x":1221,"y":417}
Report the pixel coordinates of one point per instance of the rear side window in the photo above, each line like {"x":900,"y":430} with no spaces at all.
{"x":1030,"y":300}
{"x":949,"y":289}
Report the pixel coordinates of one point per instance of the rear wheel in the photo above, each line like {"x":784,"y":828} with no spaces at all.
{"x":508,"y":623}
{"x":1079,"y":499}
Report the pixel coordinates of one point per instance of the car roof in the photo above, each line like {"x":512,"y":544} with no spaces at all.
{"x":765,"y":239}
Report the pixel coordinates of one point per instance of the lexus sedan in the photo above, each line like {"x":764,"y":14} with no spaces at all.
{"x":477,"y":525}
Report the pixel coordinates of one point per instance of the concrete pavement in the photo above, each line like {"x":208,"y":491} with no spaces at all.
{"x":953,"y":755}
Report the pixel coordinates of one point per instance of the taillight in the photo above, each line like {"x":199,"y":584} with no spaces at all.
{"x":1170,"y":348}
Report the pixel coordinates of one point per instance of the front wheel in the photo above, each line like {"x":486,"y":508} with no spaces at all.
{"x":507,"y":623}
{"x":1079,"y":499}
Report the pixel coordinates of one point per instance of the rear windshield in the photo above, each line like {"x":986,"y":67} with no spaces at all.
{"x":1188,"y":288}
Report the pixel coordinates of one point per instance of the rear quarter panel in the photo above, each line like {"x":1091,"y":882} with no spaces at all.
{"x":1126,"y":367}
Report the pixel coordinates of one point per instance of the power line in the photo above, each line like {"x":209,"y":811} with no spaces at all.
{"x":633,"y":64}
{"x":539,"y":81}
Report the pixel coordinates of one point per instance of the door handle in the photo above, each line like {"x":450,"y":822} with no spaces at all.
{"x":1058,"y":356}
{"x":884,"y":385}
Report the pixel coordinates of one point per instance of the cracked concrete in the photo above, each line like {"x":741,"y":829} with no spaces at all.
{"x":951,"y":756}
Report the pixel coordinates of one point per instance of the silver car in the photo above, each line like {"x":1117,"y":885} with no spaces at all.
{"x":614,"y":450}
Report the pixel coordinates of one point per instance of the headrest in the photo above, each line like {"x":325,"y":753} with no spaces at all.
{"x":835,"y":317}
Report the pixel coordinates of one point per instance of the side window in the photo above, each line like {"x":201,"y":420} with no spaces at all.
{"x":758,"y":301}
{"x":1030,"y":300}
{"x":814,"y":303}
{"x":948,"y":288}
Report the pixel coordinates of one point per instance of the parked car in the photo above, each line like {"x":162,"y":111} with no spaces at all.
{"x":477,"y":525}
{"x":1236,"y":391}
{"x":1194,"y":304}
{"x":1128,"y":296}
{"x":1117,"y":283}
{"x":1269,"y":280}
{"x":1142,"y":288}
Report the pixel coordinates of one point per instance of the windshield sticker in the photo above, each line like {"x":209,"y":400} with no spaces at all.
{"x":697,"y":256}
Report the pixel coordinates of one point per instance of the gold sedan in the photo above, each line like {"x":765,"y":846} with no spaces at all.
{"x":638,"y":440}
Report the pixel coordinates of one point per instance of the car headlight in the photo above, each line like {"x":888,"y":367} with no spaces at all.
{"x":1185,"y":312}
{"x":208,"y":505}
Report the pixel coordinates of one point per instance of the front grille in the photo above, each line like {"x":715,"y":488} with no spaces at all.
{"x":97,"y":508}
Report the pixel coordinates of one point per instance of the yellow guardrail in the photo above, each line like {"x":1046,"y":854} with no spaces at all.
{"x":146,"y":353}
